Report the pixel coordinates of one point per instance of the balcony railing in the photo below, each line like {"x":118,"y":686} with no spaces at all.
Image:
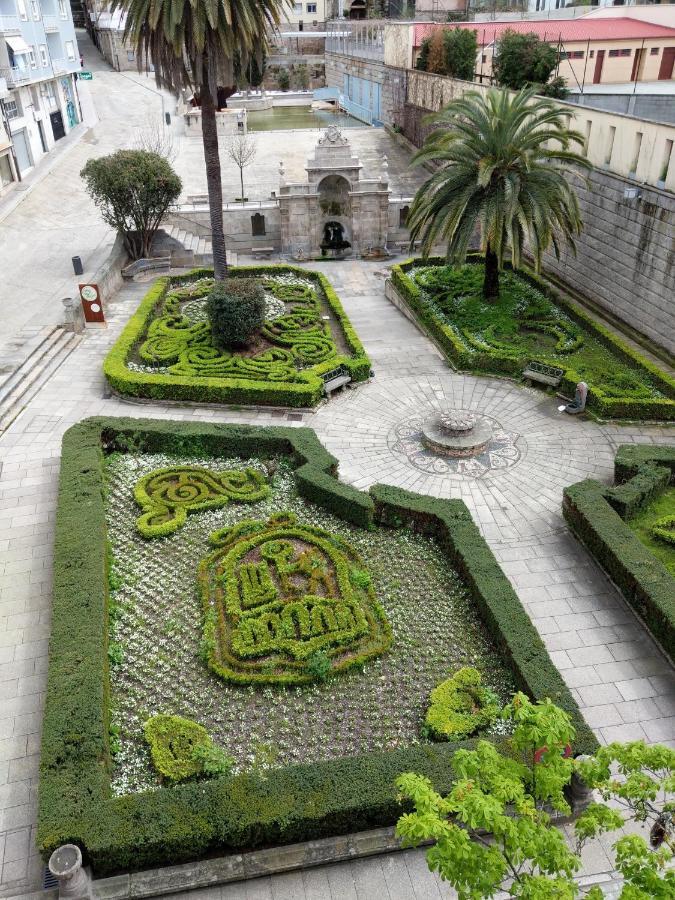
{"x":62,"y":66}
{"x":50,"y":23}
{"x":10,"y":25}
{"x":15,"y":76}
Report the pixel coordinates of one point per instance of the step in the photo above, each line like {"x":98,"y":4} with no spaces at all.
{"x":34,"y":350}
{"x":35,"y":377}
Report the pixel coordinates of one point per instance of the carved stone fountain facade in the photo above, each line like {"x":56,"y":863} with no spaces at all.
{"x":335,"y":212}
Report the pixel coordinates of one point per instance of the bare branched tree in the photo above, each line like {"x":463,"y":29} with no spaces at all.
{"x":241,"y":151}
{"x":155,"y":137}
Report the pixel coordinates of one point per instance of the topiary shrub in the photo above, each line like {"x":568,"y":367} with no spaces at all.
{"x":173,"y":741}
{"x":460,"y":706}
{"x":236,"y":310}
{"x":664,"y":529}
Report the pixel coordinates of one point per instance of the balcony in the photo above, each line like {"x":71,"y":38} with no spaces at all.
{"x":65,"y":66}
{"x":10,"y":25}
{"x":50,"y":24}
{"x":15,"y":76}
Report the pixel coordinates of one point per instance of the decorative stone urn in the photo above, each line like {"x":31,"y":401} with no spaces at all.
{"x":65,"y":864}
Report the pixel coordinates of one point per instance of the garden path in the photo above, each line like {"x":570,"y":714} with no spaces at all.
{"x":621,"y":680}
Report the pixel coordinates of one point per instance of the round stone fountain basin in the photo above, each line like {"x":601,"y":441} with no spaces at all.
{"x":465,"y":437}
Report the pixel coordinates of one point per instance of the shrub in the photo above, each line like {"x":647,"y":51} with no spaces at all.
{"x":521,"y":60}
{"x":236,"y":309}
{"x":212,"y":760}
{"x":173,"y":741}
{"x":664,"y":529}
{"x":460,"y":706}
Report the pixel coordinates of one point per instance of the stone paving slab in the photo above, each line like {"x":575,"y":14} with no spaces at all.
{"x":622,"y":682}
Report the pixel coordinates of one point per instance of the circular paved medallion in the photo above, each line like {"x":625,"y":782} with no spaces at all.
{"x":502,"y":451}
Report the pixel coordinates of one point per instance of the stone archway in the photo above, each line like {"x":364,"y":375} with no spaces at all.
{"x":357,"y":9}
{"x":335,"y":214}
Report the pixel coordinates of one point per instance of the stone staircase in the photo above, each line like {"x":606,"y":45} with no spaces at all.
{"x":197,"y":249}
{"x":41,"y":357}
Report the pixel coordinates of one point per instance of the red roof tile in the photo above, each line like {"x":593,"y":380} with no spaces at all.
{"x":567,"y":30}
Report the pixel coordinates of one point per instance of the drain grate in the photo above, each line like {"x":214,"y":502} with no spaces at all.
{"x":49,"y":881}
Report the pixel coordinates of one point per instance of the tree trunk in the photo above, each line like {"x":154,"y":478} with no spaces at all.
{"x":491,"y":280}
{"x":213,"y":184}
{"x":241,"y":178}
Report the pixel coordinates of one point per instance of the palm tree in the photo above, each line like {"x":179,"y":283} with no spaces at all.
{"x":504,"y":161}
{"x":194,"y":44}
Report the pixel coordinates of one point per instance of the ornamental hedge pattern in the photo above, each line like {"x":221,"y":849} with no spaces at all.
{"x":165,"y":351}
{"x":599,"y":517}
{"x":167,"y":495}
{"x":277,"y":592}
{"x":231,"y":813}
{"x":636,"y":388}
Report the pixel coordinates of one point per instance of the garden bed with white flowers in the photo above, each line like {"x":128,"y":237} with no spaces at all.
{"x":244,"y":649}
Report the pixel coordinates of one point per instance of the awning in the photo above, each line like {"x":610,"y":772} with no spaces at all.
{"x":18,"y":45}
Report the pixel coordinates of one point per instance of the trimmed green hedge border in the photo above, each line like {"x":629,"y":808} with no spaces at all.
{"x":229,"y":390}
{"x":493,"y":362}
{"x":300,"y":802}
{"x":596,"y":513}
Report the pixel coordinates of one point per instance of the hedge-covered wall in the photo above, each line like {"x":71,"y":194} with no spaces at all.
{"x":301,"y":802}
{"x":596,"y":513}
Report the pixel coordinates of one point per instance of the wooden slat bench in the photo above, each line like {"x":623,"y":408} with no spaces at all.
{"x":335,"y":379}
{"x":262,"y":251}
{"x":536,"y":371}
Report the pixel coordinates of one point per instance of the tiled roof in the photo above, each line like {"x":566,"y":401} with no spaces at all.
{"x":567,"y":30}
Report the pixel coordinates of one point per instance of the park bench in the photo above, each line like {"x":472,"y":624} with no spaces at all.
{"x":198,"y":199}
{"x":405,"y":246}
{"x":536,"y":371}
{"x":335,"y":379}
{"x":262,"y":251}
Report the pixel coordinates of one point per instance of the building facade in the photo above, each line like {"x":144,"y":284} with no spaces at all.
{"x":39,"y":59}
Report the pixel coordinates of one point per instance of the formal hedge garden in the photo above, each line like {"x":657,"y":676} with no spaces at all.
{"x":166,"y":350}
{"x":246,"y":652}
{"x":630,"y":530}
{"x":532,"y":321}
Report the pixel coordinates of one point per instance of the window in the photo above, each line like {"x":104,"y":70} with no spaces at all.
{"x":70,"y":50}
{"x":131,"y":55}
{"x":257,"y":225}
{"x":44,"y":58}
{"x":592,"y":54}
{"x":610,"y":144}
{"x":624,"y":52}
{"x":6,"y":174}
{"x":573,"y":54}
{"x":297,"y":9}
{"x":311,"y":7}
{"x":654,"y":51}
{"x":48,"y":94}
{"x":63,"y":9}
{"x":32,"y":56}
{"x":403,"y":216}
{"x":12,"y":109}
{"x":589,"y":128}
{"x":637,"y":146}
{"x":665,"y":162}
{"x":35,"y":9}
{"x":21,"y":6}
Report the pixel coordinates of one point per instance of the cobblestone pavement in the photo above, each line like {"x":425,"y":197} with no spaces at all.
{"x":621,"y":680}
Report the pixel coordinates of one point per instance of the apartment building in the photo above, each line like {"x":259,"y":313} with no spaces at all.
{"x":38,"y":92}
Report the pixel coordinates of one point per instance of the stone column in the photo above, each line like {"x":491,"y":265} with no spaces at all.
{"x":65,"y":864}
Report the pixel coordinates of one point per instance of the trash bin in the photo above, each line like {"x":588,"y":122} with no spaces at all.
{"x":77,"y":265}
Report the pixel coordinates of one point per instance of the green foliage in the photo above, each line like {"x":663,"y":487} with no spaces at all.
{"x":664,"y":529}
{"x":173,"y":741}
{"x":287,"y":373}
{"x":229,"y":814}
{"x":283,"y":79}
{"x":212,"y":760}
{"x":461,"y":48}
{"x":423,"y":56}
{"x":506,"y":797}
{"x":460,"y":706}
{"x":167,"y":495}
{"x":510,"y":798}
{"x":276,"y":594}
{"x":594,"y":511}
{"x":482,"y":337}
{"x":502,"y":164}
{"x":133,"y":189}
{"x":522,"y":60}
{"x":236,"y":310}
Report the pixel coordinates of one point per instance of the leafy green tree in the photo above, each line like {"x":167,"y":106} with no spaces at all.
{"x":522,"y":60}
{"x":503,"y":163}
{"x":283,"y":79}
{"x":494,"y":832}
{"x":423,"y":56}
{"x":195,"y":45}
{"x":133,"y":189}
{"x":436,"y":58}
{"x":461,"y":48}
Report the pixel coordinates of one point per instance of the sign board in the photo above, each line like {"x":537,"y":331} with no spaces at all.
{"x":91,"y":303}
{"x":85,"y":76}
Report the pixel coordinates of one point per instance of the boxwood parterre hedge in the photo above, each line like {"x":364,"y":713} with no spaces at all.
{"x":298,"y":802}
{"x":512,"y":366}
{"x":228,"y":389}
{"x":596,"y":513}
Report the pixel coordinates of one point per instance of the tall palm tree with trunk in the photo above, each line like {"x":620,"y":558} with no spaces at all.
{"x":503,"y":167}
{"x":195,"y":44}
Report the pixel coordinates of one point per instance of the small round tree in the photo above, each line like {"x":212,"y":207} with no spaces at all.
{"x":236,"y":310}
